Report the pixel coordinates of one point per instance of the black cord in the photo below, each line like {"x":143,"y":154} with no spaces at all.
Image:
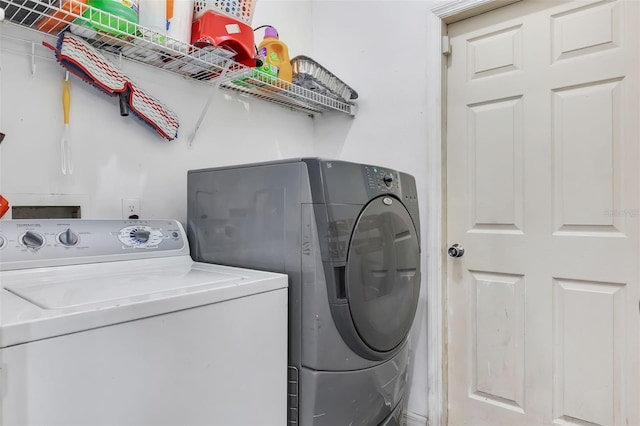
{"x":255,"y":46}
{"x":265,"y":26}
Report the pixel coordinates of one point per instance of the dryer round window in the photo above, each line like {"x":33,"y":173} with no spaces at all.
{"x":382,"y":278}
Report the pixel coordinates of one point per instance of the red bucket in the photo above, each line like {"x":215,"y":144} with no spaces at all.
{"x":214,"y":29}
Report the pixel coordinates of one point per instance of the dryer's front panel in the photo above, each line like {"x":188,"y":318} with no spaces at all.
{"x":383,"y":274}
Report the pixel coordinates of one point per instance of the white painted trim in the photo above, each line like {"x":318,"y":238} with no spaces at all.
{"x":450,"y":12}
{"x":436,"y":395}
{"x":460,"y":9}
{"x":457,"y":7}
{"x":412,"y":419}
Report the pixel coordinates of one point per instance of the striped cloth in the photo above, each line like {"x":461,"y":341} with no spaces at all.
{"x":84,"y":61}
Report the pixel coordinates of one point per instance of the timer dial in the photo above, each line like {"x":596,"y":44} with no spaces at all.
{"x":140,"y":236}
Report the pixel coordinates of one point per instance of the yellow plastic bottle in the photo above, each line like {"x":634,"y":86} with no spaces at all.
{"x":275,"y":55}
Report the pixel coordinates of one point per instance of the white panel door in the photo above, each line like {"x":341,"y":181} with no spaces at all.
{"x":543,"y":193}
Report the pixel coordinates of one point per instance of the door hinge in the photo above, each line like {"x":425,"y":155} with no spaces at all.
{"x":446,"y":46}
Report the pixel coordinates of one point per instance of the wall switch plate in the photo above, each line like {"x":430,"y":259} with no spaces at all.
{"x":131,"y":208}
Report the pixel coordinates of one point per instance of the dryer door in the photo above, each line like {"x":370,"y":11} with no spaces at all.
{"x":383,"y":274}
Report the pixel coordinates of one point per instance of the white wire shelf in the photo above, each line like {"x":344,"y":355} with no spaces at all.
{"x":137,"y":43}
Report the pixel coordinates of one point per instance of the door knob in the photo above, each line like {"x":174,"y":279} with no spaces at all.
{"x":456,"y":250}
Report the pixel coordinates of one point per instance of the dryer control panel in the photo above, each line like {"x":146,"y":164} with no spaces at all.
{"x":382,"y":180}
{"x":52,"y":242}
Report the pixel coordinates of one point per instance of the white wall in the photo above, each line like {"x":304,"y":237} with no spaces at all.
{"x":389,"y":52}
{"x":117,"y":157}
{"x":383,"y":49}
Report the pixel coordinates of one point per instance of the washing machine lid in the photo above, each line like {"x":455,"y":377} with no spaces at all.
{"x":47,"y":302}
{"x":105,"y":285}
{"x":383,"y":274}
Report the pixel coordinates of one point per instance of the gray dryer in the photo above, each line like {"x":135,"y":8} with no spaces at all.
{"x":347,"y":235}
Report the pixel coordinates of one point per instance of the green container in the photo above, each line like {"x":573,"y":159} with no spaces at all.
{"x":126,"y":12}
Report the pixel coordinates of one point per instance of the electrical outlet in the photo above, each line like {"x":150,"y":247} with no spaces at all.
{"x":131,"y":208}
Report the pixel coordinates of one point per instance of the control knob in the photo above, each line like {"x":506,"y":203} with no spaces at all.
{"x":388,"y":180}
{"x":32,"y":240}
{"x":141,"y":235}
{"x":68,"y":238}
{"x":2,"y":241}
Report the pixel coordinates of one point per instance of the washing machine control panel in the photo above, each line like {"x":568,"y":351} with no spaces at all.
{"x":52,"y":242}
{"x":141,"y":236}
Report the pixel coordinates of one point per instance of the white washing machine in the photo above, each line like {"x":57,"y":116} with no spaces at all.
{"x":110,"y":322}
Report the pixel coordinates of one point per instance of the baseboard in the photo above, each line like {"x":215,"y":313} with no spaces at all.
{"x":413,"y":419}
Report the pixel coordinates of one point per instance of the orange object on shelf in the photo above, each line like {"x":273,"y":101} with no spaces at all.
{"x":275,"y":55}
{"x":59,"y":19}
{"x":4,"y":205}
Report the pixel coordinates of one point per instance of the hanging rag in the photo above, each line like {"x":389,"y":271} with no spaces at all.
{"x":86,"y":62}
